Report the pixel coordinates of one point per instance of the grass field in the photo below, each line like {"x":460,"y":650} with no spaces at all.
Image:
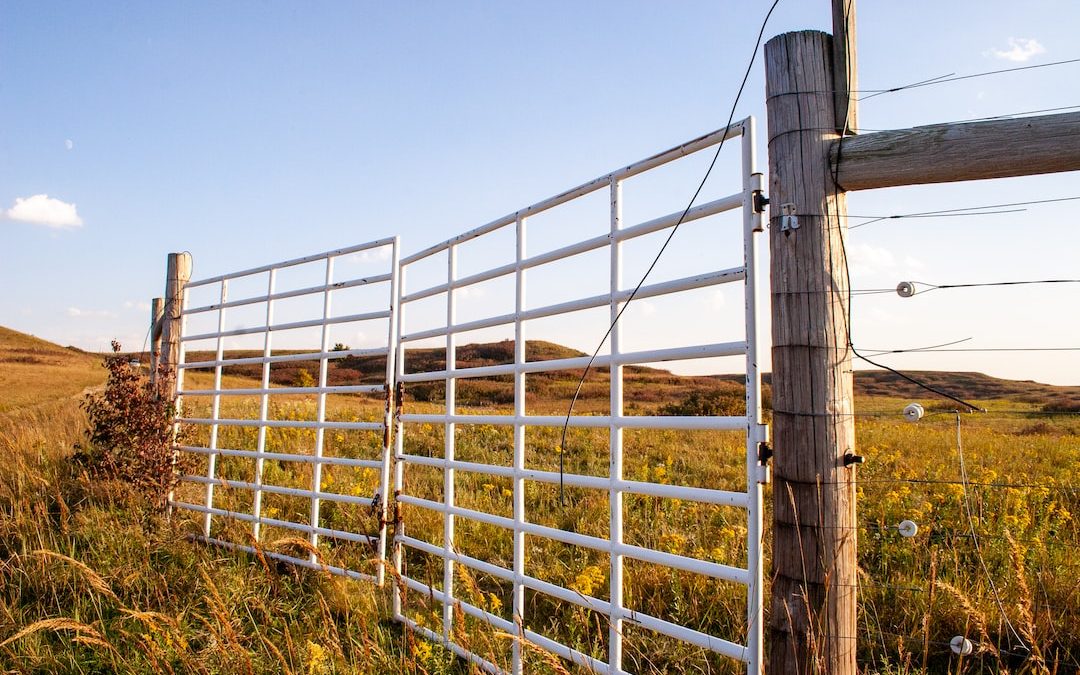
{"x":92,"y":582}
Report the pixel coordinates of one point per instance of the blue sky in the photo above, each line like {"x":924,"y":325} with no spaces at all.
{"x":251,"y":132}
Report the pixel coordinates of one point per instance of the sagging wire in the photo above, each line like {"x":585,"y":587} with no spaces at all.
{"x":952,"y":77}
{"x":561,"y":450}
{"x":847,"y":275}
{"x":1023,"y":282}
{"x":940,"y":79}
{"x":964,"y":211}
{"x":975,"y":538}
{"x":880,"y":352}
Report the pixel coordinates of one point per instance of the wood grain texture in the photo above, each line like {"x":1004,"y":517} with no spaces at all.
{"x":845,"y":65}
{"x":812,"y":620}
{"x":178,"y":273}
{"x":943,"y":153}
{"x":157,"y":311}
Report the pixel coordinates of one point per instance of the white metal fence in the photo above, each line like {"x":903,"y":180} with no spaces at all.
{"x":446,"y":418}
{"x":520,"y":575}
{"x":311,"y":443}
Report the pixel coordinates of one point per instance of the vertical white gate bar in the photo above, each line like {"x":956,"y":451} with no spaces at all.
{"x":756,"y":432}
{"x":618,"y":615}
{"x":215,"y":411}
{"x":448,"y":472}
{"x":615,"y":436}
{"x":382,"y":507}
{"x":397,"y":550}
{"x":520,"y":354}
{"x":320,"y":414}
{"x":392,"y":478}
{"x":264,"y":408}
{"x":309,"y":455}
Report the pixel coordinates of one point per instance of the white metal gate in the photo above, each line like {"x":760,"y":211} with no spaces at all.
{"x":428,"y":524}
{"x":520,"y":575}
{"x":308,"y":446}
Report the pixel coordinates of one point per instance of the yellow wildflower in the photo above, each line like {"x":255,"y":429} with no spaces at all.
{"x":589,"y":580}
{"x":316,"y":661}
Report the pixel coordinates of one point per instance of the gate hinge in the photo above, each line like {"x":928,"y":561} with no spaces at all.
{"x":760,"y":201}
{"x":788,"y":220}
{"x":765,"y":453}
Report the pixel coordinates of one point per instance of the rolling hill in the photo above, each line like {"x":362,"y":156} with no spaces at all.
{"x":34,"y":371}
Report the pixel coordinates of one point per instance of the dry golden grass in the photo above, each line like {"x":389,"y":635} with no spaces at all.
{"x":92,"y":582}
{"x":35,"y":372}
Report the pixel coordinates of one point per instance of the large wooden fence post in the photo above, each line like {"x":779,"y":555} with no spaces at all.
{"x":812,"y":622}
{"x":178,"y":273}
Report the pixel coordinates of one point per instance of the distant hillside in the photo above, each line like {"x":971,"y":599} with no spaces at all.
{"x":967,"y":386}
{"x":643,"y":384}
{"x":34,"y":371}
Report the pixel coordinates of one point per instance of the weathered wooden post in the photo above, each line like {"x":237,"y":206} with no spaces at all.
{"x":157,"y":311}
{"x":178,"y":273}
{"x":812,"y":623}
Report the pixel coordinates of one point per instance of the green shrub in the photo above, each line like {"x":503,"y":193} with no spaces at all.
{"x":708,"y":403}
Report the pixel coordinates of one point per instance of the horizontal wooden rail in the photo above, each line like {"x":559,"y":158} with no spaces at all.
{"x":946,"y":153}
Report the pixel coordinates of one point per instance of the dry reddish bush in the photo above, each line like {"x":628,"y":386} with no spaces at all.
{"x":131,"y":431}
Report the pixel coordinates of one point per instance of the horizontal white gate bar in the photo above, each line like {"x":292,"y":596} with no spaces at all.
{"x":227,"y":428}
{"x":312,"y":456}
{"x":448,"y":372}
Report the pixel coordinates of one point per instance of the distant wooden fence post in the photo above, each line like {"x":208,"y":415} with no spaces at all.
{"x":178,"y":273}
{"x":812,"y":622}
{"x":157,"y":311}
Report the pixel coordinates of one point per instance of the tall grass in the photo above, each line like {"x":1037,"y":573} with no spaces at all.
{"x":93,"y":581}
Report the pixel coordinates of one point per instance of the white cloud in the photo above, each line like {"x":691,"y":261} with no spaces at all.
{"x":913,"y":263}
{"x":69,"y":144}
{"x":90,"y":313}
{"x":1020,"y":50}
{"x":44,"y":210}
{"x":718,"y":299}
{"x":870,"y":259}
{"x":645,"y":308}
{"x":371,"y":255}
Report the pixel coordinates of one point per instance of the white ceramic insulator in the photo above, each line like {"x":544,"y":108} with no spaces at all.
{"x":905,"y":289}
{"x":907,"y":528}
{"x":961,"y":645}
{"x":913,"y":412}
